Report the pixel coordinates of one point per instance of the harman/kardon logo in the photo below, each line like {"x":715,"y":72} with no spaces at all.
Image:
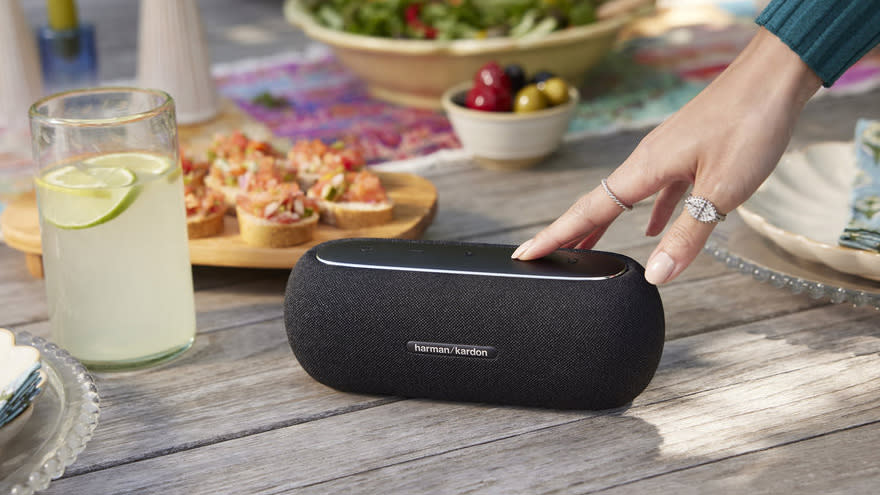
{"x":438,"y":349}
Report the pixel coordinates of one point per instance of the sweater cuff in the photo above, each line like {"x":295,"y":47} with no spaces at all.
{"x":828,"y":35}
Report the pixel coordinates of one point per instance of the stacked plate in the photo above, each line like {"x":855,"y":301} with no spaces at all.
{"x":20,"y":377}
{"x":786,"y":209}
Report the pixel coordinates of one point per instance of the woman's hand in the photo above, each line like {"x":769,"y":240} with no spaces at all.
{"x":724,"y":142}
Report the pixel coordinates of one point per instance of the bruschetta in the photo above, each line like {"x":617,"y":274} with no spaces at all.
{"x":233,"y":156}
{"x":352,"y":200}
{"x":314,"y":159}
{"x":205,"y":207}
{"x":275,"y":214}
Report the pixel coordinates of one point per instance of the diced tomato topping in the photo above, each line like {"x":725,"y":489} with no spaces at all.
{"x":342,"y":186}
{"x":315,"y":157}
{"x":282,"y":203}
{"x":235,"y":154}
{"x":238,"y":140}
{"x":203,"y":200}
{"x":198,"y":198}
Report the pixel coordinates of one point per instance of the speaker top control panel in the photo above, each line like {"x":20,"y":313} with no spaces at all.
{"x":477,"y":259}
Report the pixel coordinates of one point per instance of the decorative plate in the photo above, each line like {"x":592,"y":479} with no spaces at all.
{"x":64,"y":417}
{"x":803,"y":207}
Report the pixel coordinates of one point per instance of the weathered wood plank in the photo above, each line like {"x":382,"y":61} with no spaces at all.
{"x":24,"y":297}
{"x":589,"y":455}
{"x":704,"y":305}
{"x":497,"y":201}
{"x":804,"y":392}
{"x":22,"y":302}
{"x":238,"y":304}
{"x":209,"y":277}
{"x":716,"y":395}
{"x":220,"y":307}
{"x":230,"y":384}
{"x":628,"y":230}
{"x":834,"y":118}
{"x":815,"y":465}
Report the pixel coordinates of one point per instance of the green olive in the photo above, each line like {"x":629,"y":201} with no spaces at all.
{"x":555,"y":90}
{"x":529,"y":99}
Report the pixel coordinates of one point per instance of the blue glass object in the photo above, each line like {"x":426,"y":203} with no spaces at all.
{"x":68,"y":58}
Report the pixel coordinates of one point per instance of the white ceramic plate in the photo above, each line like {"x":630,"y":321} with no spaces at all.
{"x":803,"y":207}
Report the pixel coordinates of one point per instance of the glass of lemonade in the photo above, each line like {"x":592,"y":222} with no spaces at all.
{"x":113,"y":226}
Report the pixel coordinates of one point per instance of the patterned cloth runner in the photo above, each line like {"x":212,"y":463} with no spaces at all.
{"x":638,"y":85}
{"x":863,"y":229}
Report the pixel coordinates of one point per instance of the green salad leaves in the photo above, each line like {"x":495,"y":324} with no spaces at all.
{"x":452,"y":19}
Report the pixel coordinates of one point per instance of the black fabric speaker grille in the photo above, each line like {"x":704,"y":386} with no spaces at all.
{"x":562,"y":344}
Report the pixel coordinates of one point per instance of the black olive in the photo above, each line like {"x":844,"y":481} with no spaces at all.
{"x":541,"y":76}
{"x":517,"y":77}
{"x":460,"y":99}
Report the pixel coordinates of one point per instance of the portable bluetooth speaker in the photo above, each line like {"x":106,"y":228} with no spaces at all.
{"x":465,"y":322}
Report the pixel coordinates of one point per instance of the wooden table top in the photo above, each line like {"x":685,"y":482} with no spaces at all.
{"x":759,"y":390}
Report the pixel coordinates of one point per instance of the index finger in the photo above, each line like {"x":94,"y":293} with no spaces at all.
{"x":592,"y":211}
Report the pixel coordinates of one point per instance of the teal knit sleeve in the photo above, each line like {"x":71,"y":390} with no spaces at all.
{"x":829,"y":35}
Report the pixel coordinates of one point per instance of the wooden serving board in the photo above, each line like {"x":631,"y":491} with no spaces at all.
{"x":415,"y":203}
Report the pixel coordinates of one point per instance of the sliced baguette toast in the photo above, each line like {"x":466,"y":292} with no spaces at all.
{"x":354,"y":215}
{"x":266,"y":233}
{"x":200,"y":226}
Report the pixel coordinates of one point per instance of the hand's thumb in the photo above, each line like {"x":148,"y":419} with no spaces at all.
{"x":680,"y":245}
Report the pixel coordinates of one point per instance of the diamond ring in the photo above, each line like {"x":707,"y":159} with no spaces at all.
{"x":611,"y":195}
{"x":703,"y":210}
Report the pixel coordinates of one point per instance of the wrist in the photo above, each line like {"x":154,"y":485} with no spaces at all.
{"x":780,"y":74}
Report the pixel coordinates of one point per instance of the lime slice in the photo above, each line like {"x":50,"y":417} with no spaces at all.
{"x":139,"y":163}
{"x":76,"y":197}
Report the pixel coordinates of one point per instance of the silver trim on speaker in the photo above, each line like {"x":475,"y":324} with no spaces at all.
{"x":469,"y":259}
{"x":469,"y":272}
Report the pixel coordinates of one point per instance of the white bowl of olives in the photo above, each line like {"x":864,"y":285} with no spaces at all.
{"x":510,"y":123}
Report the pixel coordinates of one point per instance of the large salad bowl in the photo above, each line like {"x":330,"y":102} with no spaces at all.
{"x":418,"y":72}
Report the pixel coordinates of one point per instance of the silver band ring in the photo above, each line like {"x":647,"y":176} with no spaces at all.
{"x":703,"y":210}
{"x":613,"y":197}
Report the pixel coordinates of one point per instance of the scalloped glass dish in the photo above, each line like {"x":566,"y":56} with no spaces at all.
{"x":64,"y":417}
{"x":803,"y":208}
{"x":743,"y":249}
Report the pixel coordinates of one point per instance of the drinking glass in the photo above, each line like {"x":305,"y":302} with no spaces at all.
{"x":113,"y":226}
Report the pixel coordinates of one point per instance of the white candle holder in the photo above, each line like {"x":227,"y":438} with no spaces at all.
{"x":174,"y":57}
{"x":20,"y":80}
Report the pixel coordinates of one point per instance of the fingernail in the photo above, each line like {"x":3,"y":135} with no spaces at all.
{"x":659,"y":269}
{"x":522,"y":249}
